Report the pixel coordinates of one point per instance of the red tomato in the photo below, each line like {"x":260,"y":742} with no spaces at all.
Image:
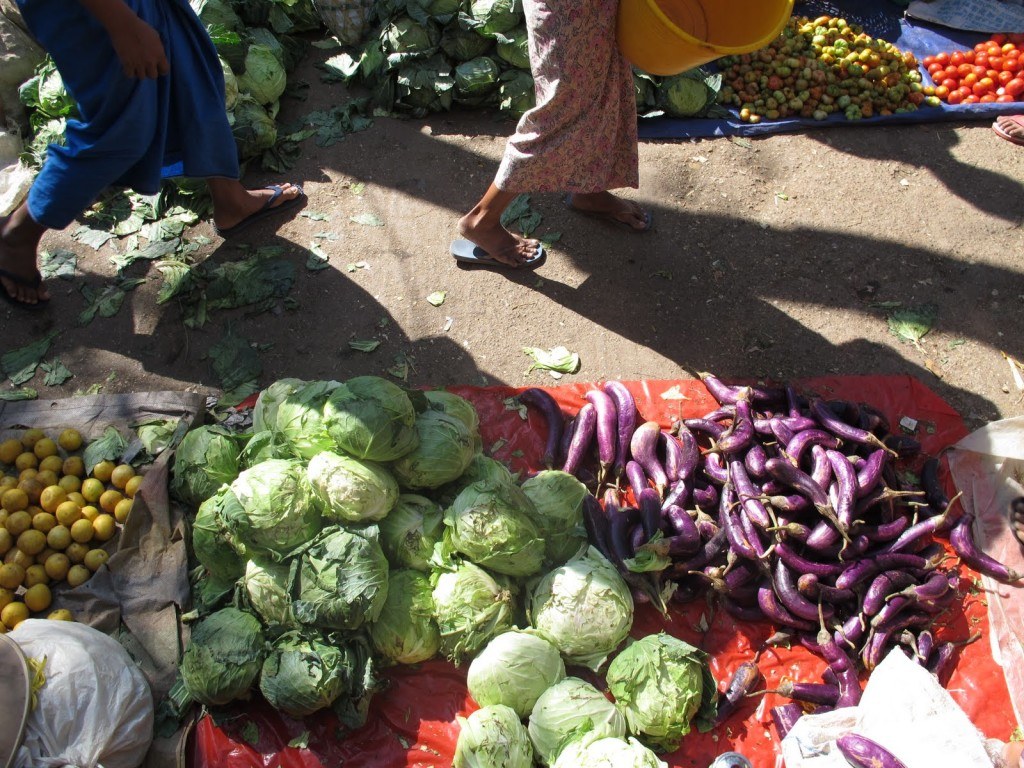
{"x":987,"y":98}
{"x":979,"y":70}
{"x":927,"y":61}
{"x":999,"y":38}
{"x":994,"y":50}
{"x":942,"y":58}
{"x":1004,"y":98}
{"x":962,"y":71}
{"x":1004,"y":77}
{"x":1016,"y":38}
{"x":972,"y":99}
{"x":957,"y":58}
{"x":935,"y":68}
{"x":1011,"y":65}
{"x":970,"y":80}
{"x":969,"y":56}
{"x":1009,"y":52}
{"x":981,"y":60}
{"x":995,"y":62}
{"x":981,"y":47}
{"x":983,"y":86}
{"x":950,"y":84}
{"x":964,"y":92}
{"x":942,"y":92}
{"x":955,"y":97}
{"x":1015,"y":87}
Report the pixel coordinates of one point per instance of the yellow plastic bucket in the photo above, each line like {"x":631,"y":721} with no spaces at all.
{"x":666,"y":37}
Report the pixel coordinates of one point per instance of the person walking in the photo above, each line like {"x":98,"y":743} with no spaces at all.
{"x":150,"y":94}
{"x":580,"y":138}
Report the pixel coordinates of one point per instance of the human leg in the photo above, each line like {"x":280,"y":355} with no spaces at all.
{"x":608,"y":206}
{"x":19,"y":241}
{"x":233,"y":203}
{"x":1010,"y":127}
{"x":482,"y":226}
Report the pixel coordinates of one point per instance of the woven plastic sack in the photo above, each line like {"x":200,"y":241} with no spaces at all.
{"x":19,"y":56}
{"x":346,"y":19}
{"x":95,"y":708}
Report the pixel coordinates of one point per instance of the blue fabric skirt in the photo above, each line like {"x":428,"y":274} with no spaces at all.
{"x":131,"y":132}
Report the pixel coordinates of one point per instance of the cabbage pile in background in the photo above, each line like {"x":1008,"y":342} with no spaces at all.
{"x":359,"y":525}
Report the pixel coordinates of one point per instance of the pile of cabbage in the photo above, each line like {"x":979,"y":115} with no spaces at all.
{"x":426,"y":55}
{"x":359,"y":526}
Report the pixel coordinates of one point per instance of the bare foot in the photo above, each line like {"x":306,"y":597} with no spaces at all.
{"x":1011,"y":125}
{"x":617,"y":208}
{"x":18,"y":259}
{"x":500,"y":244}
{"x":234,"y":203}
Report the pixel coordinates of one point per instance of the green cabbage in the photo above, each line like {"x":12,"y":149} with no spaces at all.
{"x":263,"y":446}
{"x":442,"y":11}
{"x":514,"y":669}
{"x":584,"y":607}
{"x":558,"y":499}
{"x":684,"y":95}
{"x":410,"y":531}
{"x":516,"y":92}
{"x":480,"y":468}
{"x":661,"y":684}
{"x":300,"y":418}
{"x":342,"y":580}
{"x":446,"y":446}
{"x":422,"y":87}
{"x":303,"y":673}
{"x":461,"y":44}
{"x":264,"y":413}
{"x":254,"y":130}
{"x":223,"y":657}
{"x":496,"y":17}
{"x":264,"y":77}
{"x":370,"y":418}
{"x":206,"y":459}
{"x":230,"y":86}
{"x":405,"y":632}
{"x":215,"y":547}
{"x":491,"y":524}
{"x":404,"y":36}
{"x":476,"y":79}
{"x":453,"y":405}
{"x":492,"y":737}
{"x":608,"y":752}
{"x":471,"y":608}
{"x":568,"y":710}
{"x":349,"y":490}
{"x":275,"y":513}
{"x":517,"y":51}
{"x":268,"y":592}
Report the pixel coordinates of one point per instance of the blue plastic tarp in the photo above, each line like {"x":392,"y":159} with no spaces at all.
{"x":879,"y":18}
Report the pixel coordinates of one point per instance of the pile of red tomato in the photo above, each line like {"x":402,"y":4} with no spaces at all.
{"x":992,"y":72}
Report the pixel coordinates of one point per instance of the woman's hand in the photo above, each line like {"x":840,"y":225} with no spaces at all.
{"x":139,"y":48}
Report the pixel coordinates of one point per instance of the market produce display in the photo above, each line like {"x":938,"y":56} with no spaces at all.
{"x":800,"y":512}
{"x":990,"y":72}
{"x":61,"y":503}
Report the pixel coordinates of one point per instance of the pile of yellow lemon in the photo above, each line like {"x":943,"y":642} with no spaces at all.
{"x":54,"y":519}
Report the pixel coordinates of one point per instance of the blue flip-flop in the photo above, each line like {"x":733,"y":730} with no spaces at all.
{"x":268,"y":209}
{"x":33,"y":282}
{"x":468,"y":252}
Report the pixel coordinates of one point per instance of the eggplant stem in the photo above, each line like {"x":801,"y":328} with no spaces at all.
{"x":974,"y":636}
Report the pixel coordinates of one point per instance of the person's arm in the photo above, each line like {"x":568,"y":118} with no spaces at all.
{"x":137,"y":44}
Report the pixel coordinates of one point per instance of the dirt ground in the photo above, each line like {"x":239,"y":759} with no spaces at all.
{"x":778,"y":257}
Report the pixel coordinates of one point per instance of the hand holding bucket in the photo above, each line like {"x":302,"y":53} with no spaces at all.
{"x":666,"y":37}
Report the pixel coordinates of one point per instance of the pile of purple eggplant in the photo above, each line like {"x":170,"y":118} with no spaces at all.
{"x":791,"y":509}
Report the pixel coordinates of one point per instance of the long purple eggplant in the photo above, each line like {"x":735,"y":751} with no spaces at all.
{"x":625,"y":422}
{"x":784,"y":717}
{"x":673,"y":456}
{"x":802,"y":441}
{"x":740,"y":435}
{"x":582,"y":439}
{"x":827,"y":418}
{"x":812,"y":693}
{"x":961,"y":538}
{"x":750,"y":498}
{"x":712,"y":429}
{"x":936,"y":524}
{"x":773,"y":608}
{"x":552,"y":414}
{"x":715,"y":469}
{"x":726,"y":394}
{"x":789,"y":595}
{"x":862,"y":752}
{"x":604,"y":407}
{"x":742,"y":683}
{"x":598,"y":526}
{"x":644,"y":447}
{"x":869,"y":473}
{"x":637,"y":478}
{"x":649,"y":504}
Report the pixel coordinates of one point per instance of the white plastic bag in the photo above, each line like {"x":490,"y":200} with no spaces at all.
{"x":95,"y":708}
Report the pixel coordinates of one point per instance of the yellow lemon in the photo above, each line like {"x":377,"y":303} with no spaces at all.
{"x":53,"y":464}
{"x":18,"y":522}
{"x":124,"y":506}
{"x":52,"y":497}
{"x":7,"y":482}
{"x":70,"y":439}
{"x":36,"y":574}
{"x":76,"y":551}
{"x":132,"y":486}
{"x":13,"y":614}
{"x":109,"y":500}
{"x":73,"y":465}
{"x":26,"y":460}
{"x":90,"y":513}
{"x":121,"y":474}
{"x":42,"y":556}
{"x":6,"y":595}
{"x":59,"y":537}
{"x":17,"y":557}
{"x":92,"y":489}
{"x":38,"y":598}
{"x":11,"y":576}
{"x":32,"y":542}
{"x":94,"y":558}
{"x":78,"y":574}
{"x":70,"y":483}
{"x":81,"y":531}
{"x":44,"y":521}
{"x":104,"y":527}
{"x":30,"y":437}
{"x":68,"y":513}
{"x":78,"y":498}
{"x":14,"y":500}
{"x":45,"y":447}
{"x":34,"y":486}
{"x":25,"y":474}
{"x":6,"y":541}
{"x":10,"y":450}
{"x":61,"y":614}
{"x":57,"y":566}
{"x":103,"y":470}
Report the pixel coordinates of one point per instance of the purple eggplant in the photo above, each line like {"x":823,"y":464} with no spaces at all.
{"x":705,"y":497}
{"x":715,"y":469}
{"x":916,"y":533}
{"x":673,"y":456}
{"x":882,"y":587}
{"x":649,"y":504}
{"x":846,"y":482}
{"x":869,"y":473}
{"x":567,"y":432}
{"x":773,"y":608}
{"x":754,"y":461}
{"x":552,"y":414}
{"x":789,"y":595}
{"x":902,"y":446}
{"x":636,"y":477}
{"x":604,"y":408}
{"x":802,"y":441}
{"x":682,"y":525}
{"x":729,"y":519}
{"x":783,"y":433}
{"x":710,"y":428}
{"x":625,"y":422}
{"x":827,"y":418}
{"x":801,"y":564}
{"x":742,"y":683}
{"x":811,"y":693}
{"x":884,"y":532}
{"x":722,"y":413}
{"x":785,"y":716}
{"x":862,"y":752}
{"x":961,"y":538}
{"x":598,"y":526}
{"x":643,"y":446}
{"x":750,"y":498}
{"x":711,"y":549}
{"x":933,"y":491}
{"x":582,"y":439}
{"x":943,"y":660}
{"x":821,"y":469}
{"x":809,"y":585}
{"x":740,"y":435}
{"x":726,"y":394}
{"x":923,"y":646}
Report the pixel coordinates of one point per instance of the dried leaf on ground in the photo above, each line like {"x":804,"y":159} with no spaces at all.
{"x":25,"y":393}
{"x":59,"y":262}
{"x":56,"y":373}
{"x":437,"y":298}
{"x":235,"y":360}
{"x":558,"y":359}
{"x":913,"y":323}
{"x":19,"y":365}
{"x":364,"y":345}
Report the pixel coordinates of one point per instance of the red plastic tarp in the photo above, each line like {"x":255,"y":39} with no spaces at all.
{"x":412,"y":723}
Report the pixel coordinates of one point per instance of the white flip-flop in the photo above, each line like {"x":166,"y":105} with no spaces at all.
{"x":468,"y":252}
